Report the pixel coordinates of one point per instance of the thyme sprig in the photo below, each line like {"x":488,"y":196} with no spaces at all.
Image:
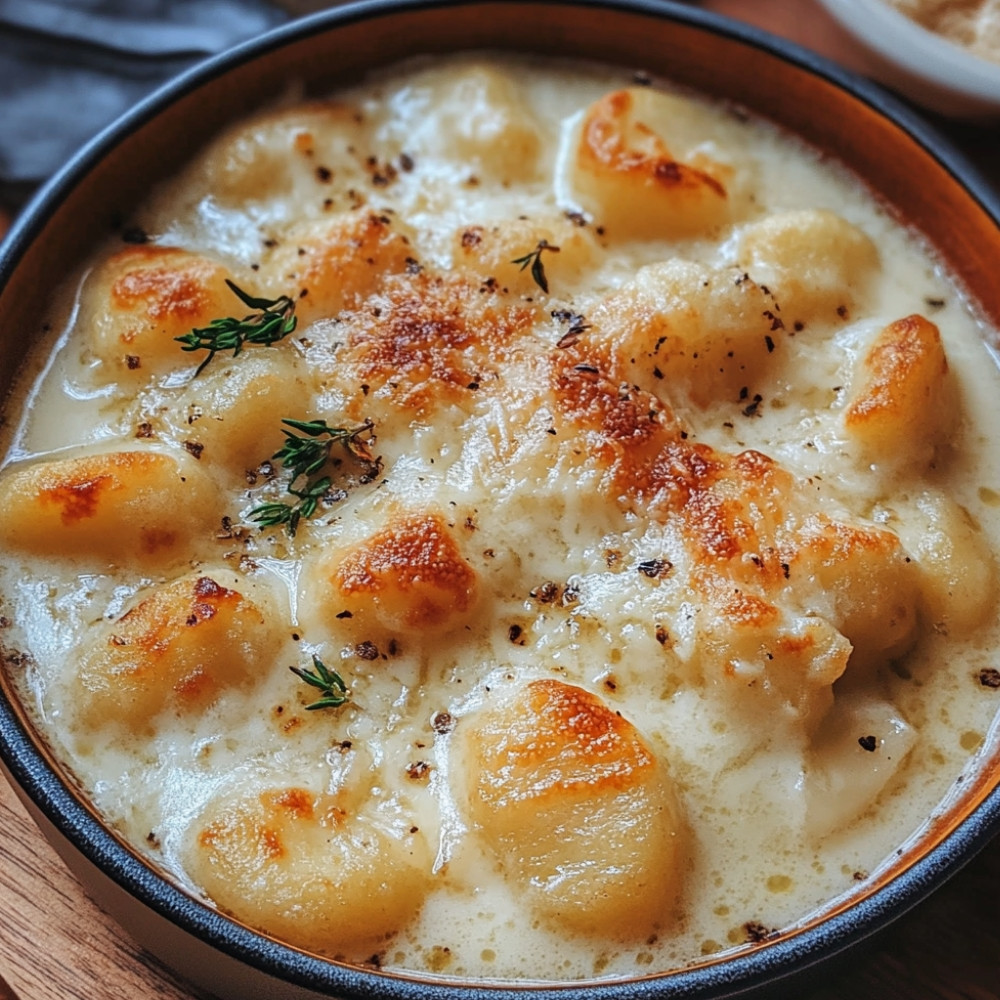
{"x":331,"y":685}
{"x":534,"y":260}
{"x":273,"y":320}
{"x":270,"y":515}
{"x":305,"y":456}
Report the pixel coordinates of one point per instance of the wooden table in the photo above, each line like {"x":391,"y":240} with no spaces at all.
{"x":57,"y":945}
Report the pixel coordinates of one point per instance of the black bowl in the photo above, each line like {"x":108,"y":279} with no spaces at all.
{"x":895,"y":153}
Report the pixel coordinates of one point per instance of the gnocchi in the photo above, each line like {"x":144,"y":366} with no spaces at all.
{"x":903,"y":378}
{"x":818,"y":265}
{"x":300,"y":866}
{"x":109,"y":509}
{"x":143,"y":298}
{"x":279,"y":151}
{"x":176,"y":650}
{"x":337,"y":263}
{"x":577,"y":806}
{"x":227,"y":415}
{"x":411,"y":577}
{"x":624,"y":172}
{"x":709,"y":331}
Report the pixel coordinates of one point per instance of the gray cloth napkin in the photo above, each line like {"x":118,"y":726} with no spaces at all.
{"x":70,"y":67}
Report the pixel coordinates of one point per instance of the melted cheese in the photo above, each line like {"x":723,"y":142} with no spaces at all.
{"x":657,"y":563}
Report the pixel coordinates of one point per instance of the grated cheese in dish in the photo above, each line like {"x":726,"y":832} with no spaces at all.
{"x":973,"y":24}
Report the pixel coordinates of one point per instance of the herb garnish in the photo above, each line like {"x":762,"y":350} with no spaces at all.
{"x":331,"y":685}
{"x":273,"y":321}
{"x":269,"y":515}
{"x":534,"y":259}
{"x":304,"y":457}
{"x":578,"y":326}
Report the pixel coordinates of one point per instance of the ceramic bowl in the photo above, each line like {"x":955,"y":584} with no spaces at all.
{"x":927,"y":185}
{"x":927,"y":68}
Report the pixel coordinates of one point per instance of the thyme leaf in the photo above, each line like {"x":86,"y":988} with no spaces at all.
{"x":269,"y":515}
{"x":533,"y":259}
{"x":303,"y":457}
{"x":331,"y":685}
{"x":273,"y":320}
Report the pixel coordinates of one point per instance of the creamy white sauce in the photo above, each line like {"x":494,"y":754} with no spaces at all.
{"x":741,"y":770}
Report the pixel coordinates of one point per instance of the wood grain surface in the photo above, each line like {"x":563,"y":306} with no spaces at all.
{"x":55,"y":944}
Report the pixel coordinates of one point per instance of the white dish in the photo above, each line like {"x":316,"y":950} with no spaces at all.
{"x":930,"y":70}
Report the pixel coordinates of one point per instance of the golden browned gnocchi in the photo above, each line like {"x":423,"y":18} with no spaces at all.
{"x":624,"y":171}
{"x":862,"y":579}
{"x":579,"y":808}
{"x":410,"y":577}
{"x":903,"y":378}
{"x":791,"y":660}
{"x":504,"y":511}
{"x":336,"y":263}
{"x":123,"y":508}
{"x":143,"y":298}
{"x":176,"y":650}
{"x":302,"y":867}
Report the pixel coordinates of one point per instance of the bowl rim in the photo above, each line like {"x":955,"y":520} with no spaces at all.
{"x":735,"y":975}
